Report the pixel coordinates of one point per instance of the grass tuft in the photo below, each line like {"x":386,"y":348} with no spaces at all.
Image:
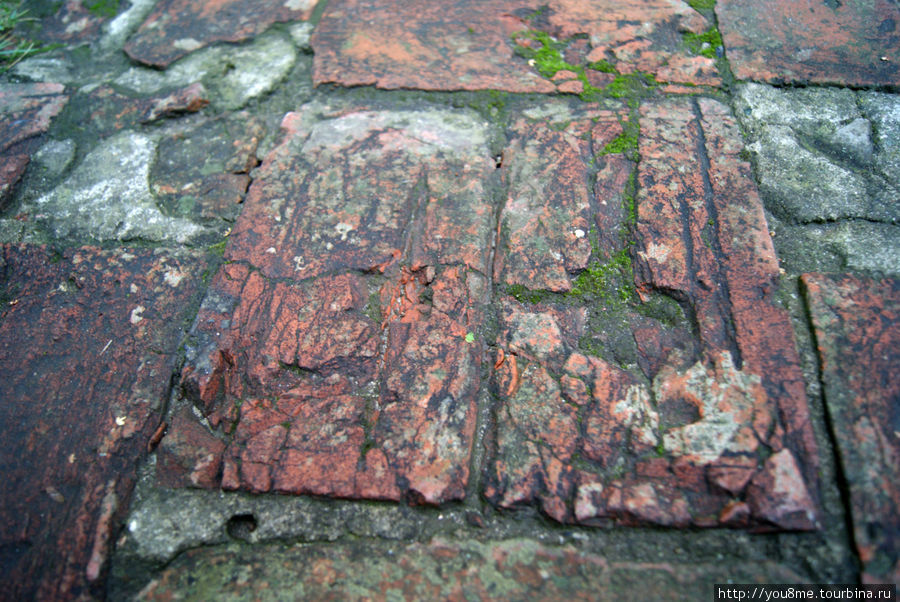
{"x":12,"y":48}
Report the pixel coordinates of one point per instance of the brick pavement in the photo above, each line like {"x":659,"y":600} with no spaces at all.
{"x":517,"y":295}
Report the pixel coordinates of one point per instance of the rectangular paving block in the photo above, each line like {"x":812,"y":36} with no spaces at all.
{"x":338,"y":343}
{"x":857,"y":327}
{"x":714,"y":433}
{"x":550,"y":205}
{"x":87,"y":348}
{"x":849,"y":42}
{"x":473,"y":45}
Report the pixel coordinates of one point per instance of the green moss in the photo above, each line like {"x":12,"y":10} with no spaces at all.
{"x":523,"y":294}
{"x":103,"y":8}
{"x":626,"y":142}
{"x":631,"y":85}
{"x":603,"y":66}
{"x":704,"y":44}
{"x":702,"y":5}
{"x":218,"y":248}
{"x":548,"y":59}
{"x":606,"y":281}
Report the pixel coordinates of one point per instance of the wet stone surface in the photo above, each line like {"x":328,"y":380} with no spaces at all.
{"x":87,"y":339}
{"x":852,"y":43}
{"x":857,"y":331}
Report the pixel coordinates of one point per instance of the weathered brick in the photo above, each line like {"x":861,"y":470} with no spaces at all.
{"x":87,"y":348}
{"x":178,"y":27}
{"x":720,"y":435}
{"x":468,"y":45}
{"x":548,"y":213}
{"x":857,"y":326}
{"x":333,"y":403}
{"x":25,"y":113}
{"x":847,"y":43}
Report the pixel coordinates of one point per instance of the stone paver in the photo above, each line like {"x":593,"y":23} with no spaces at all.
{"x":468,"y":45}
{"x":176,"y":28}
{"x":857,"y":330}
{"x":851,"y":43}
{"x":550,"y":207}
{"x":87,"y":339}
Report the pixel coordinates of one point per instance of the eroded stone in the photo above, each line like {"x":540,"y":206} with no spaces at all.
{"x":350,"y":389}
{"x":107,"y":197}
{"x":721,"y":436}
{"x":857,"y":325}
{"x":87,"y":341}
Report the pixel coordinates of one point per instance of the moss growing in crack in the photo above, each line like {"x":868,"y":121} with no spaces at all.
{"x":626,"y":142}
{"x":606,"y":281}
{"x":704,"y":44}
{"x":523,"y":294}
{"x":631,"y":85}
{"x":603,"y":66}
{"x":218,"y":249}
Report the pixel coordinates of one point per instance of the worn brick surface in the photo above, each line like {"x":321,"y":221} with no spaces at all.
{"x":467,"y":45}
{"x":353,"y":383}
{"x":87,"y":346}
{"x":591,"y":442}
{"x":550,"y":205}
{"x":857,"y":325}
{"x":178,"y":27}
{"x":25,"y":112}
{"x":851,"y":43}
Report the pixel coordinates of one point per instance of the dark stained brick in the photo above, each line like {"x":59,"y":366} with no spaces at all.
{"x":25,"y":113}
{"x":113,"y":112}
{"x":850,"y":43}
{"x":87,"y":348}
{"x":72,"y":23}
{"x":857,"y":326}
{"x":468,"y":45}
{"x":548,"y":212}
{"x":178,"y":27}
{"x":203,"y":173}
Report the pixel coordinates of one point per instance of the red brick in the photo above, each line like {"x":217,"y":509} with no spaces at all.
{"x":178,"y":27}
{"x":683,"y":450}
{"x":857,"y":326}
{"x":547,"y":216}
{"x":87,"y":349}
{"x":467,"y":45}
{"x":846,"y":43}
{"x":335,"y":404}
